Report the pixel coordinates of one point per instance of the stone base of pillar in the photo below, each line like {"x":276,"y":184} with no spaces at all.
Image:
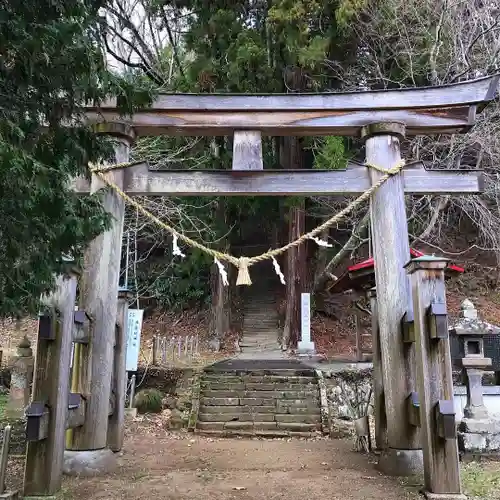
{"x":45,"y":497}
{"x":395,"y":462}
{"x":479,"y":435}
{"x":89,"y":463}
{"x":306,"y":347}
{"x":443,"y":496}
{"x":12,"y":495}
{"x":130,"y":413}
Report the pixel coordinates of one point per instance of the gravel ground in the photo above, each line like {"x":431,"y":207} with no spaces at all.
{"x":156,"y":464}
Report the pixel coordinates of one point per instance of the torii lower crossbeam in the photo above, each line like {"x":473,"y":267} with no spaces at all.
{"x":140,"y":180}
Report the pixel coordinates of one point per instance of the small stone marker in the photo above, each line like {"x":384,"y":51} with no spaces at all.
{"x":305,"y":345}
{"x":21,"y":377}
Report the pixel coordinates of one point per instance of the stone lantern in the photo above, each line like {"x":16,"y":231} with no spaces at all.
{"x":478,"y":431}
{"x":471,"y":330}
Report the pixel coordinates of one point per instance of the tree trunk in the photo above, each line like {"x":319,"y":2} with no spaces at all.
{"x":353,"y":241}
{"x":296,"y":270}
{"x":220,"y":316}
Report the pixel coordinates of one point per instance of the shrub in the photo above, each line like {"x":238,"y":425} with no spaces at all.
{"x":149,"y":401}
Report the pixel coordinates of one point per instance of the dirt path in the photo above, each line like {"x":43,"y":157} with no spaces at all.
{"x":186,"y":467}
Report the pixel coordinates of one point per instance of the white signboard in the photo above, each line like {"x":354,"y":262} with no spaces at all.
{"x":134,"y":326}
{"x":305,"y":344}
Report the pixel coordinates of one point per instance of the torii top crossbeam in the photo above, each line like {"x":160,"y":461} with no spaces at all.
{"x":426,"y":110}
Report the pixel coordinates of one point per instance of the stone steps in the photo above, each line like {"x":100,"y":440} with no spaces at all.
{"x":296,"y":409}
{"x":258,"y":426}
{"x":267,"y":346}
{"x":259,"y":417}
{"x":244,"y":394}
{"x":263,"y":373}
{"x":257,"y":327}
{"x":260,"y":401}
{"x":260,"y":324}
{"x":260,"y":433}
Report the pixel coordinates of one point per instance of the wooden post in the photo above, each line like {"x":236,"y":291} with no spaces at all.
{"x":132,"y":391}
{"x":156,"y":342}
{"x":378,"y":381}
{"x":99,"y":299}
{"x":435,"y":384}
{"x":119,"y":386}
{"x":359,"y":340}
{"x":391,"y":252}
{"x":44,"y":458}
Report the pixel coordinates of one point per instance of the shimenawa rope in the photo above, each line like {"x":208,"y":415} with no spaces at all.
{"x":243,"y":263}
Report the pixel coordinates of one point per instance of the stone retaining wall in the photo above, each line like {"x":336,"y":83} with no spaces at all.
{"x":349,"y":397}
{"x":177,"y":385}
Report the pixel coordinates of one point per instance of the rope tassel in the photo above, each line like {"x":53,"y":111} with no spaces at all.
{"x":243,"y":274}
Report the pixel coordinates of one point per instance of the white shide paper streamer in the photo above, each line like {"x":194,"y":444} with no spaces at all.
{"x":175,"y":246}
{"x":321,"y":243}
{"x":278,"y":271}
{"x":222,"y":271}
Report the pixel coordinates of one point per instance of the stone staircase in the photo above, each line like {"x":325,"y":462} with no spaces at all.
{"x":259,"y":398}
{"x":260,"y":323}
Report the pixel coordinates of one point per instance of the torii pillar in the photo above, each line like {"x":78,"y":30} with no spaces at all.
{"x":391,"y":251}
{"x":89,"y":453}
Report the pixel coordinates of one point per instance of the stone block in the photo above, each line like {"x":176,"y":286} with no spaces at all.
{"x":444,"y":496}
{"x":238,"y":425}
{"x":483,"y":426}
{"x":468,"y":442}
{"x":219,"y":379}
{"x":210,"y":426}
{"x":258,"y":410}
{"x":265,"y":426}
{"x":221,"y":394}
{"x":89,"y":463}
{"x":223,"y":386}
{"x":298,"y":426}
{"x":257,"y":402}
{"x":215,"y":417}
{"x":220,"y":401}
{"x":395,"y":462}
{"x":299,"y":406}
{"x":262,"y":394}
{"x":262,"y":417}
{"x":257,"y":386}
{"x":304,"y":418}
{"x":312,"y":395}
{"x":222,"y":409}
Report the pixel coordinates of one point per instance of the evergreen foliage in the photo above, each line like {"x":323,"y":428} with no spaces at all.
{"x":271,"y":46}
{"x":50,"y":63}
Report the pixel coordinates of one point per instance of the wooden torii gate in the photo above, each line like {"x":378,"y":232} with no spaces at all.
{"x":382,"y":119}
